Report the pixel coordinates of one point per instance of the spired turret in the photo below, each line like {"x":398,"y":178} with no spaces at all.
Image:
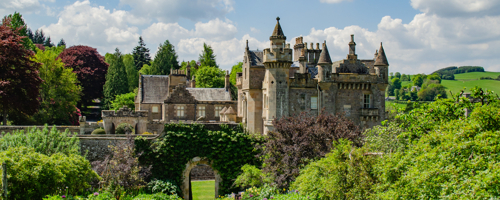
{"x":324,"y":64}
{"x":381,"y":64}
{"x":279,"y":51}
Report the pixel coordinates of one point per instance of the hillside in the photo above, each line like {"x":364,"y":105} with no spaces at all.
{"x":469,"y":80}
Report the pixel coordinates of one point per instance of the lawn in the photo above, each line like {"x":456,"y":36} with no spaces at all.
{"x":203,"y":190}
{"x":476,"y":75}
{"x":457,"y":85}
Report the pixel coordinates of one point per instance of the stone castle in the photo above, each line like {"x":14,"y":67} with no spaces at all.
{"x":275,"y":82}
{"x":279,"y":81}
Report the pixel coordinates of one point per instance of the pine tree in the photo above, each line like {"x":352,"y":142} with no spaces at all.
{"x":16,"y":21}
{"x":116,"y":79}
{"x":30,"y":34}
{"x":48,"y":42}
{"x":141,"y":55}
{"x":165,"y":59}
{"x":39,"y":37}
{"x":61,"y":43}
{"x":207,"y":57}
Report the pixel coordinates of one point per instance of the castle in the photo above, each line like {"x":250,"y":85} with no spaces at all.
{"x":279,"y":81}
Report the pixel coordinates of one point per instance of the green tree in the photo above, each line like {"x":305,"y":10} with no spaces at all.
{"x":116,"y":79}
{"x":397,"y":75}
{"x":396,"y":83}
{"x":418,"y":80}
{"x":60,"y":90}
{"x":207,"y":57}
{"x":210,"y":77}
{"x":192,"y":64}
{"x":132,"y":73}
{"x":391,"y":75}
{"x":126,"y":99}
{"x":165,"y":59}
{"x":17,"y":21}
{"x":232,"y":79}
{"x":435,"y":77}
{"x":61,"y":43}
{"x":48,"y":42}
{"x":146,"y":70}
{"x":141,"y":55}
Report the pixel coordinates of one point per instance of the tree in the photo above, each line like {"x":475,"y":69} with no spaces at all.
{"x":61,"y":43}
{"x":126,"y":99}
{"x":165,"y":59}
{"x":132,"y":73}
{"x":90,"y":69}
{"x":232,"y":79}
{"x":146,"y":70}
{"x":60,"y":91}
{"x":19,"y":77}
{"x":141,"y":55}
{"x":39,"y":37}
{"x":391,"y":75}
{"x":48,"y":42}
{"x":17,"y":21}
{"x":116,"y":79}
{"x":418,"y":80}
{"x":296,"y":141}
{"x":396,"y":83}
{"x":207,"y":57}
{"x":210,"y":77}
{"x":397,"y":75}
{"x":192,"y":65}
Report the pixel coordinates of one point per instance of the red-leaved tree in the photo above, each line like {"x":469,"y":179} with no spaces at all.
{"x":19,"y":78}
{"x":299,"y":140}
{"x":90,"y":68}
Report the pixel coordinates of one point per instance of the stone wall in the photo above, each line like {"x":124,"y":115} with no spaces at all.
{"x":96,"y":147}
{"x":202,"y":172}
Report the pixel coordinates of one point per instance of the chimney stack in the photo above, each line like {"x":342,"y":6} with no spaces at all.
{"x":193,"y":82}
{"x":227,"y":85}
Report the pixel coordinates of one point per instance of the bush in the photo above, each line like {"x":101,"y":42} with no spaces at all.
{"x":32,"y":175}
{"x":124,"y":128}
{"x":166,"y":187}
{"x":98,"y":131}
{"x":252,"y":176}
{"x":486,"y":78}
{"x":43,"y":141}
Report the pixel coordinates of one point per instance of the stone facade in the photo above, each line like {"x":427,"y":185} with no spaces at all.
{"x":280,"y":81}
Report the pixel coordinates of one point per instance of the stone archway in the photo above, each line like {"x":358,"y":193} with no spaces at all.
{"x":186,"y":182}
{"x":138,"y":119}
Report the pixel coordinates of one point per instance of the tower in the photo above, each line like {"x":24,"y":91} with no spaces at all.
{"x":324,"y":64}
{"x":382,"y":65}
{"x":277,"y":62}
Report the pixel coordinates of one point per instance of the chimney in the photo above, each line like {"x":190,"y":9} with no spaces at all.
{"x":227,"y":85}
{"x":193,"y":82}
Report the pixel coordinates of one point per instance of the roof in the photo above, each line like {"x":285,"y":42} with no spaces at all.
{"x":312,"y":70}
{"x":256,"y":58}
{"x":223,"y":111}
{"x":278,"y":32}
{"x":230,"y":111}
{"x":381,"y":58}
{"x":154,"y":88}
{"x":210,"y":94}
{"x":324,"y":57}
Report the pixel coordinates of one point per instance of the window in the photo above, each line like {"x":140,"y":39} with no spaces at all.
{"x":179,"y":111}
{"x":347,"y":110}
{"x":155,"y":109}
{"x":314,"y":103}
{"x":217,"y":110}
{"x":366,"y":101}
{"x":201,"y":111}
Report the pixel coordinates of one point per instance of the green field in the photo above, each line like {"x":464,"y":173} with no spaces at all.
{"x":476,"y":75}
{"x":203,"y":189}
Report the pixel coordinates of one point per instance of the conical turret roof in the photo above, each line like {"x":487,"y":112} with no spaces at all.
{"x":381,"y":59}
{"x":324,"y":57}
{"x":278,"y":32}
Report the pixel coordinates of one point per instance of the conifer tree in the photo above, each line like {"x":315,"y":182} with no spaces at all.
{"x":132,"y":73}
{"x":61,"y":43}
{"x":141,"y":55}
{"x":165,"y":59}
{"x":48,"y":42}
{"x":16,"y":21}
{"x":207,"y":57}
{"x":39,"y":37}
{"x":116,"y":78}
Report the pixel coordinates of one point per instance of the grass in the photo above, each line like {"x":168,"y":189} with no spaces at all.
{"x":476,"y":75}
{"x":203,"y":189}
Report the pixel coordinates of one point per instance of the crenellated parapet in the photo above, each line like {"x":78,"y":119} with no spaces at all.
{"x":124,"y":112}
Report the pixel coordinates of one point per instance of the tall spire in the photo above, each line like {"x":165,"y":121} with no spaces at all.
{"x":278,"y":32}
{"x":324,"y":57}
{"x":381,"y":59}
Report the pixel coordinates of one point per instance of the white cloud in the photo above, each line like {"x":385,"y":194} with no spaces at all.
{"x":458,"y":8}
{"x":254,"y":30}
{"x":21,"y":6}
{"x":332,"y":1}
{"x":171,"y":10}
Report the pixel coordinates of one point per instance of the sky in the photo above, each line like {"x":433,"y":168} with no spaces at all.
{"x":419,"y":36}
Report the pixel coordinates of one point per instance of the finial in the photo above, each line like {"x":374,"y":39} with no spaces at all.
{"x":277,"y":18}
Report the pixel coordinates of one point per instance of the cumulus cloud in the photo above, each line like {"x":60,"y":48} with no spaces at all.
{"x":171,"y":10}
{"x":332,"y":1}
{"x":458,"y":8}
{"x":22,"y":6}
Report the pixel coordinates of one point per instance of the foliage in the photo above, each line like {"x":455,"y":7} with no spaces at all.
{"x":132,"y":72}
{"x":430,"y":90}
{"x":19,"y":77}
{"x":121,"y":100}
{"x":299,"y":140}
{"x":48,"y":42}
{"x":157,"y":196}
{"x":228,"y":149}
{"x":266,"y":191}
{"x":59,"y":92}
{"x":109,"y":196}
{"x":33,"y":175}
{"x":166,"y":187}
{"x":252,"y":176}
{"x":434,"y":77}
{"x":44,"y":141}
{"x":232,"y":79}
{"x":384,"y":138}
{"x":141,"y":55}
{"x":124,"y":128}
{"x":90,"y":69}
{"x":448,"y":72}
{"x":165,"y":59}
{"x":61,"y":43}
{"x":146,"y":70}
{"x":121,"y":170}
{"x":16,"y":21}
{"x":396,"y":83}
{"x":98,"y":131}
{"x":210,"y":77}
{"x":345,"y":173}
{"x":397,"y":75}
{"x":193,"y":67}
{"x":418,"y":80}
{"x":207,"y":57}
{"x":116,"y":78}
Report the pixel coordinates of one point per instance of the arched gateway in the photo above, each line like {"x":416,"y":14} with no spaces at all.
{"x":138,"y":119}
{"x":186,"y":181}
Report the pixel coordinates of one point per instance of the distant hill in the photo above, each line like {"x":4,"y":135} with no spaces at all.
{"x":448,"y":73}
{"x":469,"y":80}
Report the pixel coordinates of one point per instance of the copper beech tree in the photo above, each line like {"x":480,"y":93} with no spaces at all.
{"x":19,"y":76}
{"x":298,"y":140}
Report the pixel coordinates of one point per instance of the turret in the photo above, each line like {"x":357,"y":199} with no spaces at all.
{"x":382,"y":64}
{"x":324,"y":64}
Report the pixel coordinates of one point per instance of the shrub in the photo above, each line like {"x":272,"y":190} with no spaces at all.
{"x":157,"y":196}
{"x":98,"y":131}
{"x":32,"y":175}
{"x":252,"y":176}
{"x":44,"y":141}
{"x":124,"y":128}
{"x":147,"y":133}
{"x":166,"y":187}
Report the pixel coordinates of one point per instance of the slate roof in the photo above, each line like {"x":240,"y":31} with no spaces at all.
{"x":256,"y":58}
{"x":324,"y":57}
{"x":381,"y":58}
{"x":210,"y":94}
{"x":154,"y":88}
{"x":278,"y":32}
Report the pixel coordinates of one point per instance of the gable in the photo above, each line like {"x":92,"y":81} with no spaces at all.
{"x":180,"y":95}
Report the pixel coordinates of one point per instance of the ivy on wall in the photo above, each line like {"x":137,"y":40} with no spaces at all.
{"x":228,"y":149}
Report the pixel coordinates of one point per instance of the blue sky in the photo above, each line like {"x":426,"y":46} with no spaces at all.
{"x":419,"y":36}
